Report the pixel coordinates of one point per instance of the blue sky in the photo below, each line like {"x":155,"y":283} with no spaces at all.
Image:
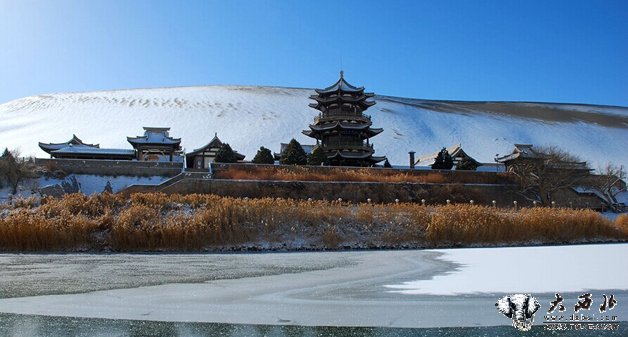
{"x":556,"y":51}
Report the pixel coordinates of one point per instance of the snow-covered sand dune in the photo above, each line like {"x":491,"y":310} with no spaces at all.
{"x":250,"y":117}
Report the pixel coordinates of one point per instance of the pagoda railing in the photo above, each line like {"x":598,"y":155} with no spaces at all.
{"x":348,"y":146}
{"x":330,"y":117}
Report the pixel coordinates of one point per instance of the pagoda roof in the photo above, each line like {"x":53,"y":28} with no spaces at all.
{"x":339,"y":99}
{"x":340,"y":86}
{"x":340,"y":125}
{"x":214,"y":142}
{"x":76,"y":141}
{"x":343,"y":98}
{"x":343,"y":125}
{"x":357,"y":155}
{"x":154,"y":136}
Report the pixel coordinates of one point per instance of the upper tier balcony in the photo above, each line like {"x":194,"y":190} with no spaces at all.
{"x":348,"y":146}
{"x":342,"y":116}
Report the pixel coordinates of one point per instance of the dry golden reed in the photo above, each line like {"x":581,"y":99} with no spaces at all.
{"x":160,"y":222}
{"x":304,"y":173}
{"x":621,"y":222}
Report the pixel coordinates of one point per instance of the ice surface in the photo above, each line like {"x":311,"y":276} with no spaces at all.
{"x":310,"y":289}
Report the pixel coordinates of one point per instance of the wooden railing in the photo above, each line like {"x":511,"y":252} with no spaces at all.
{"x":329,"y":117}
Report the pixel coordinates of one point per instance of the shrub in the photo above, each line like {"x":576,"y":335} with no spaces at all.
{"x":443,"y":161}
{"x":225,"y":154}
{"x":293,"y":154}
{"x":263,"y":156}
{"x":317,"y":157}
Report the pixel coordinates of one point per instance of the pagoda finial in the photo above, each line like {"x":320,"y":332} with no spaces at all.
{"x":342,"y":74}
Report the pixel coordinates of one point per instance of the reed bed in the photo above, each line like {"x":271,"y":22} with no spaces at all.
{"x":304,"y":173}
{"x":621,"y":222}
{"x":160,"y":222}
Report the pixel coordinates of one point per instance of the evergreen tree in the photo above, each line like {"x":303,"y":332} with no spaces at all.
{"x":6,"y":153}
{"x":317,"y":157}
{"x":387,"y":164}
{"x":225,"y":154}
{"x":293,"y":154}
{"x":108,"y":188}
{"x":467,"y":164}
{"x":263,"y":156}
{"x":443,"y":161}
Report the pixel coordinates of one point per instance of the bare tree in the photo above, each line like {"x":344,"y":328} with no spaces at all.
{"x":610,"y":182}
{"x":550,"y":170}
{"x":14,"y":169}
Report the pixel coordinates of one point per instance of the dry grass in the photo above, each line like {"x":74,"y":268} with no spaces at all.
{"x":621,"y":222}
{"x":155,"y":222}
{"x":304,"y":173}
{"x":467,"y":225}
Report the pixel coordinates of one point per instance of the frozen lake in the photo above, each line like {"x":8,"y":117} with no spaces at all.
{"x":365,"y":293}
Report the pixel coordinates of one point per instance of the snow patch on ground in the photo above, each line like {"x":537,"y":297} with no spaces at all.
{"x":527,"y":270}
{"x":88,"y":184}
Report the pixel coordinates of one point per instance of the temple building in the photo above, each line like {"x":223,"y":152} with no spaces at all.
{"x":342,"y":129}
{"x":457,"y":155}
{"x":76,"y":149}
{"x":156,"y":145}
{"x":201,"y":157}
{"x":75,"y":141}
{"x":525,"y":153}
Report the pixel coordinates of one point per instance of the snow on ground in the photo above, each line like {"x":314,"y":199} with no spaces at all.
{"x":527,"y":270}
{"x":250,"y":117}
{"x":88,"y":184}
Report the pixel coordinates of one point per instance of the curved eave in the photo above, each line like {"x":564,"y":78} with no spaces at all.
{"x":310,"y":133}
{"x":350,"y":155}
{"x":55,"y":147}
{"x":51,"y":146}
{"x":48,"y":147}
{"x":341,"y":99}
{"x":374,"y":159}
{"x":350,"y":126}
{"x":142,"y":141}
{"x":322,"y":105}
{"x":340,"y":85}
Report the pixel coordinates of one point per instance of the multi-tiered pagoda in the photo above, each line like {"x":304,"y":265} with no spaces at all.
{"x":342,"y":129}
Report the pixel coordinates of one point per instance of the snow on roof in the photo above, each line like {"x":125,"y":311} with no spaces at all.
{"x":154,"y":135}
{"x":93,"y":150}
{"x":75,"y":141}
{"x":215,"y":142}
{"x":429,"y":159}
{"x":340,"y":85}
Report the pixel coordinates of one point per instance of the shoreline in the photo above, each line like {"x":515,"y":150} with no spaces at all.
{"x":260,"y":249}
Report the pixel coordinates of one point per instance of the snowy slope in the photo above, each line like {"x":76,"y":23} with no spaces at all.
{"x":250,"y":117}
